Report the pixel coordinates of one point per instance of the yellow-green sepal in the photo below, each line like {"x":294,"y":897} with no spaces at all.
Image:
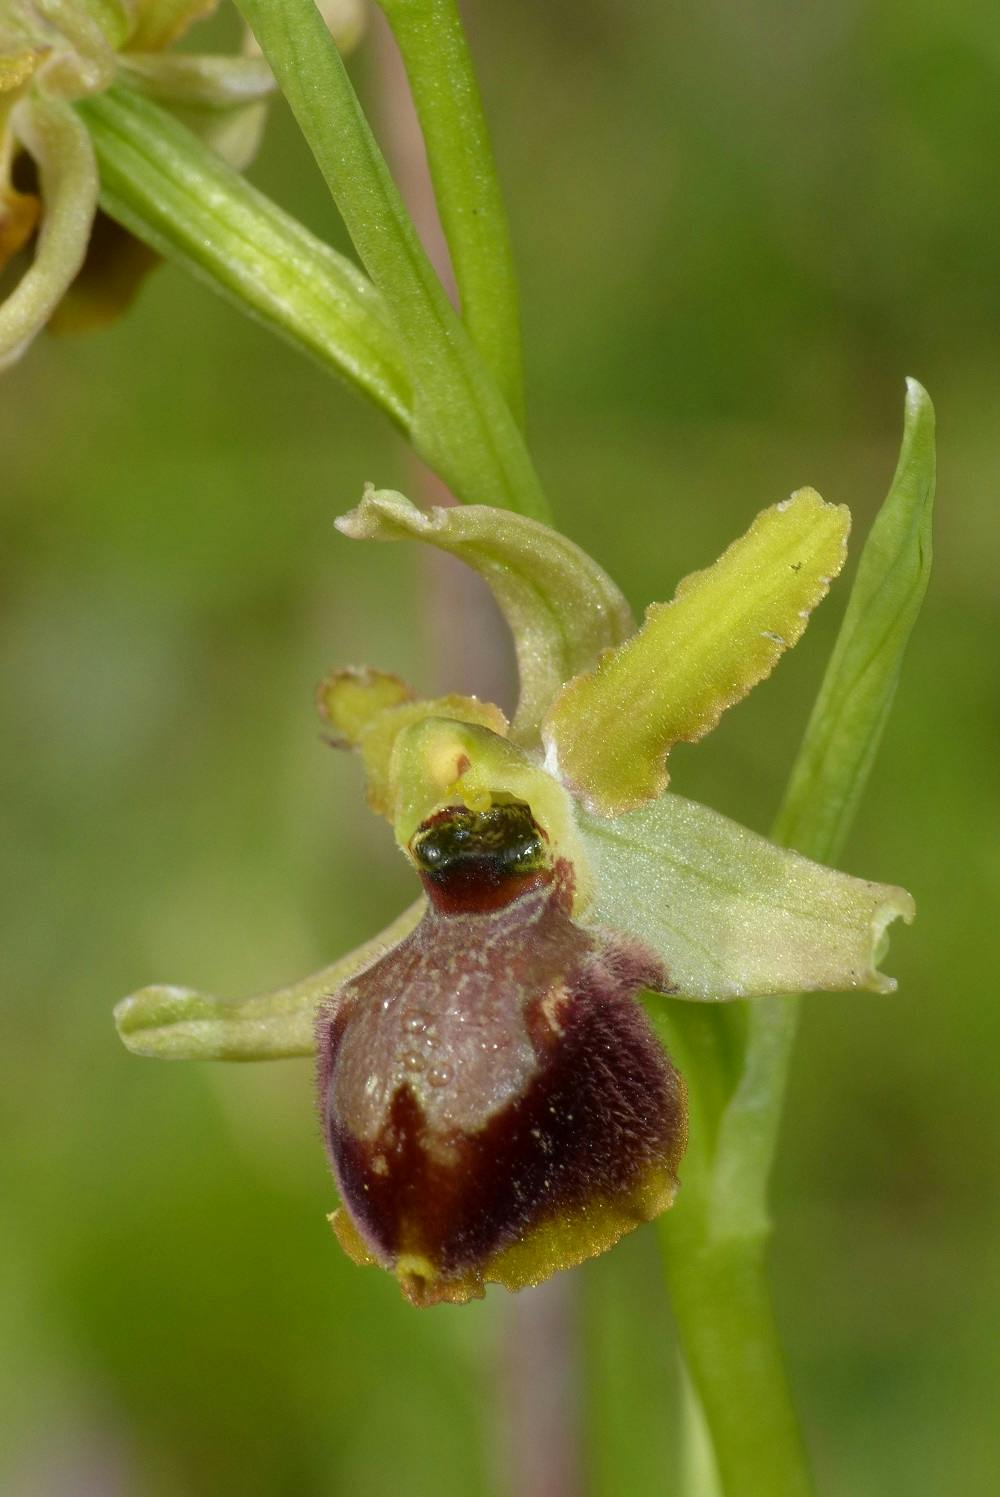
{"x":173,"y":1023}
{"x":609,"y":731}
{"x":562,"y":608}
{"x":730,"y":914}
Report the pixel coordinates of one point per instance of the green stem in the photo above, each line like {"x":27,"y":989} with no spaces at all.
{"x":714,"y":1240}
{"x":170,"y":190}
{"x":463,"y":428}
{"x":722,"y":1306}
{"x":737,"y":1386}
{"x":699,"y":1473}
{"x":438,"y":64}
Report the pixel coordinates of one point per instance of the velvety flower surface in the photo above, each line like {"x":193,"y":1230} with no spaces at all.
{"x":494,"y":1101}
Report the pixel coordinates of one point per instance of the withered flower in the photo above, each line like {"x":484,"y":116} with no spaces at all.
{"x":495,"y":1102}
{"x":84,"y":268}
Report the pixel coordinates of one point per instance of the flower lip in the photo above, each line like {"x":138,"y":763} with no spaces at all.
{"x":479,"y":860}
{"x":494,"y":1102}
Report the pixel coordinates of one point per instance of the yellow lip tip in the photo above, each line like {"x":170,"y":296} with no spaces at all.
{"x":416,"y":1266}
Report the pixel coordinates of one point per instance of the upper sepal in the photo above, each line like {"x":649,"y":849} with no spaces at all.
{"x":562,"y":608}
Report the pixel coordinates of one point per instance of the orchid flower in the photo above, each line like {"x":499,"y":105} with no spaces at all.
{"x":495,"y":1103}
{"x":56,"y":53}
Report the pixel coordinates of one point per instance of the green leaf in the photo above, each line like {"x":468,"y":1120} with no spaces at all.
{"x":854,"y":702}
{"x":179,"y":1024}
{"x":730,"y":914}
{"x":59,"y":144}
{"x":609,"y":732}
{"x":825,"y":790}
{"x":462,"y":426}
{"x":171,"y":191}
{"x":432,"y":42}
{"x":562,"y":608}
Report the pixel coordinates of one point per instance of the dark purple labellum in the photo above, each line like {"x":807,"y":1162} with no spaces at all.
{"x":494,"y":1101}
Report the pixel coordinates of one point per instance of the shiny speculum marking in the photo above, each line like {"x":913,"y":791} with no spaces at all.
{"x":492,"y":1082}
{"x":480,"y":860}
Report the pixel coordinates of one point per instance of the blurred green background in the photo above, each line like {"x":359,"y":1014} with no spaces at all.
{"x":738,"y":228}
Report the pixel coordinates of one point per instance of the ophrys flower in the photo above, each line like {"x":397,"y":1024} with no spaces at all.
{"x":495,"y":1103}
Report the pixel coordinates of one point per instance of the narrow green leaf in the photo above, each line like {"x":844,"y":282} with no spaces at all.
{"x":825,"y":789}
{"x":610,"y":730}
{"x":435,"y":53}
{"x":462,"y":426}
{"x":562,"y":608}
{"x":847,"y":722}
{"x":171,"y":191}
{"x":179,"y":1024}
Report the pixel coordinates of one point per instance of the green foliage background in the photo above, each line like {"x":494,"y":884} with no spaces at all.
{"x":738,"y":228}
